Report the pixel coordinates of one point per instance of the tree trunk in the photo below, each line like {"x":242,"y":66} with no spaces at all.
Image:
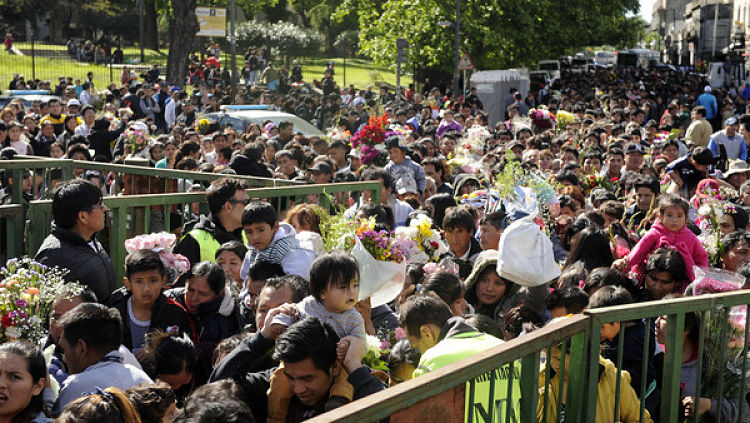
{"x":150,"y":29}
{"x":182,"y":28}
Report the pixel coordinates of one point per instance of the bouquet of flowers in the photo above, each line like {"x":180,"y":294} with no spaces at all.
{"x":378,"y":349}
{"x":564,"y":118}
{"x":542,"y":118}
{"x":378,"y":243}
{"x":138,"y":140}
{"x":712,"y":281}
{"x":161,"y":243}
{"x":589,"y":182}
{"x":203,"y":126}
{"x":27,"y":289}
{"x":370,"y":141}
{"x":469,"y":150}
{"x":338,"y":134}
{"x":418,"y":242}
{"x":710,"y":214}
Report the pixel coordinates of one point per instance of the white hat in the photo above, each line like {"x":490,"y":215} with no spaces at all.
{"x":707,"y":89}
{"x":74,"y":102}
{"x":404,"y":185}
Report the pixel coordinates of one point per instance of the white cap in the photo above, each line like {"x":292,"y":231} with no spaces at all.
{"x":74,"y":102}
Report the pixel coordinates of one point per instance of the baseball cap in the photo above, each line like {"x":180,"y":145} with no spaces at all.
{"x":175,"y":89}
{"x":74,"y":102}
{"x":730,"y":121}
{"x":633,"y":148}
{"x":404,"y":185}
{"x":321,"y":167}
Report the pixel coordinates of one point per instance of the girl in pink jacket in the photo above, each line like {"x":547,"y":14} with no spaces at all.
{"x":669,"y":230}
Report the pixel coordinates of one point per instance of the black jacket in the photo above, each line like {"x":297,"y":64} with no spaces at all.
{"x":210,"y":326}
{"x":236,"y":365}
{"x":166,"y":313}
{"x":190,"y":248}
{"x":244,"y":165}
{"x":100,"y":137}
{"x":90,"y":267}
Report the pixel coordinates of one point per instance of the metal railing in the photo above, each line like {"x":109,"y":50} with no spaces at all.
{"x":445,"y":394}
{"x":128,"y":216}
{"x":127,"y":179}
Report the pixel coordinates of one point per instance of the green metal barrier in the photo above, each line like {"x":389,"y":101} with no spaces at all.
{"x":675,"y":310}
{"x":11,"y":240}
{"x":127,"y":216}
{"x":439,"y":396}
{"x":153,"y":181}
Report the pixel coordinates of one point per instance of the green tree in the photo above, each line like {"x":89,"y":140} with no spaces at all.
{"x":496,"y":33}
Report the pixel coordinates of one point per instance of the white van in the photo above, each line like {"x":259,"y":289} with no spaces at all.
{"x":551,"y":66}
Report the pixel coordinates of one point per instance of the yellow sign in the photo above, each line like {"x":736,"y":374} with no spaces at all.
{"x":212,"y":21}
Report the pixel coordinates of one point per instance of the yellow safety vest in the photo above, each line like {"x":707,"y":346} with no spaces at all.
{"x":208,"y":244}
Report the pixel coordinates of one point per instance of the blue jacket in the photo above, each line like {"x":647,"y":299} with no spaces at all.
{"x":708,"y":101}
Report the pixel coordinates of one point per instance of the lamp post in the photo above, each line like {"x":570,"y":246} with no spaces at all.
{"x":456,"y":57}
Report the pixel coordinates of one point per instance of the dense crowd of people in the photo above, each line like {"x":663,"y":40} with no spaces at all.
{"x":605,"y":188}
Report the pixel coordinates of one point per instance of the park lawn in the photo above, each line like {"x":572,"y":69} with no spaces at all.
{"x":51,"y":69}
{"x":129,"y":53}
{"x":360,"y":72}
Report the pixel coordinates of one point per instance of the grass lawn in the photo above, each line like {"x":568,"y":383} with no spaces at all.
{"x":359,"y":72}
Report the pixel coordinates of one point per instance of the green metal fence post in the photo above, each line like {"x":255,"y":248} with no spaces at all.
{"x":529,"y":386}
{"x":594,"y":334}
{"x":670,"y":393}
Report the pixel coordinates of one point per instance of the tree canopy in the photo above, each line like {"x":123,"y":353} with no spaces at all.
{"x":496,"y":33}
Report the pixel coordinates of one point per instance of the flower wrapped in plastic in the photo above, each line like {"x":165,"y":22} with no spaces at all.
{"x":710,"y":214}
{"x":419,"y":242}
{"x":723,"y":329}
{"x":470,"y":150}
{"x":27,"y":290}
{"x":161,"y":243}
{"x":137,"y":139}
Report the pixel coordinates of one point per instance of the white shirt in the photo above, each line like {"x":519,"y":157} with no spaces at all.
{"x":83,"y":129}
{"x":85,"y":98}
{"x":169,"y":113}
{"x":111,"y":371}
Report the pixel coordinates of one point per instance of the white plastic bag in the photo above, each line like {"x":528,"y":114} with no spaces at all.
{"x":381,"y":281}
{"x":525,"y":254}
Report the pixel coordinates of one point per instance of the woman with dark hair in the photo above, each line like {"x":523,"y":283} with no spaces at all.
{"x":69,"y":126}
{"x":175,"y":361}
{"x":665,"y":274}
{"x":448,"y":287}
{"x":109,"y":405}
{"x":590,"y":246}
{"x":211,"y":308}
{"x":437,"y":205}
{"x":23,"y":376}
{"x":493,"y":296}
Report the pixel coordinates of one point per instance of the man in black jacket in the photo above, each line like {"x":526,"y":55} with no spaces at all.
{"x":78,"y":215}
{"x":308,"y":351}
{"x":226,"y":201}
